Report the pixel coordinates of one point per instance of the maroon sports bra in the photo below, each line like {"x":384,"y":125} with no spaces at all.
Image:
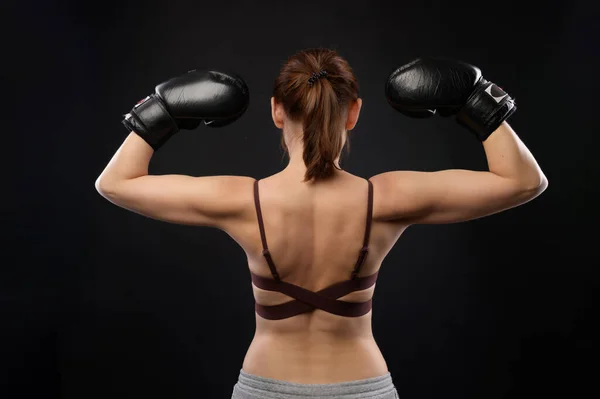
{"x":305,"y":300}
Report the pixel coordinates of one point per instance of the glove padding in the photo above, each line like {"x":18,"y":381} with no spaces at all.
{"x":425,"y":86}
{"x":215,"y":98}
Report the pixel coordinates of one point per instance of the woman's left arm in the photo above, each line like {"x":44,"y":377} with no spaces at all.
{"x":202,"y":201}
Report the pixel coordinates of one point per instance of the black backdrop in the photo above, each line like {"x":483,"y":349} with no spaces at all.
{"x":99,"y":302}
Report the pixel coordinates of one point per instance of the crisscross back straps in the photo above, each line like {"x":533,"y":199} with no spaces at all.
{"x":365,"y":248}
{"x":263,"y":236}
{"x":305,"y":301}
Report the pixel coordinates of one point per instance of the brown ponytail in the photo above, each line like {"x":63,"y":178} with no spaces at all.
{"x":317,"y":99}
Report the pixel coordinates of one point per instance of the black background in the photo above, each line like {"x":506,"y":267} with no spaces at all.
{"x":98,"y":302}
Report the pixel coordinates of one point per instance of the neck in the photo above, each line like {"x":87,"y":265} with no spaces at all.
{"x":296,"y":166}
{"x":297,"y":169}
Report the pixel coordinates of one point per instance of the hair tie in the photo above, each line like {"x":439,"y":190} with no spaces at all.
{"x":316,"y":76}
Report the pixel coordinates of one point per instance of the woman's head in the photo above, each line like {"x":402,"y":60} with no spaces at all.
{"x":316,"y":96}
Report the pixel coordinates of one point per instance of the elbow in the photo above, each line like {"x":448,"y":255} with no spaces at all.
{"x":537,"y":187}
{"x":104,"y":188}
{"x":543,"y":184}
{"x":100,"y":185}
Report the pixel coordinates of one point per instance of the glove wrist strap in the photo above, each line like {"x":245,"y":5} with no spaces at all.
{"x":150,"y":120}
{"x":486,"y":109}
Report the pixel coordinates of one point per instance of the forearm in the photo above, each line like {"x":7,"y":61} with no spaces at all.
{"x":129,"y":162}
{"x":508,"y":157}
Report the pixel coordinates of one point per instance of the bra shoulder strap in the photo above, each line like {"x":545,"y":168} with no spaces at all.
{"x":263,"y":236}
{"x":365,"y":248}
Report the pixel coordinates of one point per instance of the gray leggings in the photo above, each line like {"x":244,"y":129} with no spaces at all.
{"x":254,"y":387}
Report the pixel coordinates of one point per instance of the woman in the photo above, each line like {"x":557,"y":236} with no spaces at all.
{"x":315,"y":235}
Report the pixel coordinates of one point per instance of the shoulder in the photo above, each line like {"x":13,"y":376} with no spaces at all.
{"x":235,"y":190}
{"x":393,"y":193}
{"x":232,"y":196}
{"x":235,"y":184}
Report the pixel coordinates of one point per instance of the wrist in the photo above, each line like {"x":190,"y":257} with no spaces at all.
{"x":486,"y":109}
{"x":150,"y":120}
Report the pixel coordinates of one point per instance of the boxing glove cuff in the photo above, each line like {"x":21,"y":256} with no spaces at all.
{"x":150,"y":120}
{"x":486,"y":109}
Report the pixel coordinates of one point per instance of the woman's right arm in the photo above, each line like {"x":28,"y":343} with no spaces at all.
{"x":451,"y":196}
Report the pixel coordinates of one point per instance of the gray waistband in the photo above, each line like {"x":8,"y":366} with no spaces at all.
{"x":376,"y":387}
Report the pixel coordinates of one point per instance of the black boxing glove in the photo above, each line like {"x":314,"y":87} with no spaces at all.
{"x":426,"y":85}
{"x":215,"y":98}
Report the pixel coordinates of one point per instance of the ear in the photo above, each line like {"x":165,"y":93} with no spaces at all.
{"x":277,"y":113}
{"x":353,"y":113}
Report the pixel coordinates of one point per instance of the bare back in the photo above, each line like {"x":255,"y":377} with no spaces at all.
{"x":315,"y":233}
